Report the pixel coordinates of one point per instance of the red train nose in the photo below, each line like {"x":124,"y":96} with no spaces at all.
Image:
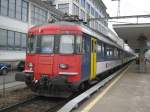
{"x":44,"y":65}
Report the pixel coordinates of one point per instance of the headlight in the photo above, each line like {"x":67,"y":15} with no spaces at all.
{"x":63,"y":66}
{"x":30,"y":65}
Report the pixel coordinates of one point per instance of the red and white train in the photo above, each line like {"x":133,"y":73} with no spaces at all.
{"x":67,"y":56}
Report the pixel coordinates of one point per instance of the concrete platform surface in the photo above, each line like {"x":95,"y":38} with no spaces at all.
{"x":129,"y":94}
{"x":12,"y":86}
{"x":10,"y":77}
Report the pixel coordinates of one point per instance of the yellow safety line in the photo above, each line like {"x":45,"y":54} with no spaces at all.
{"x":101,"y":95}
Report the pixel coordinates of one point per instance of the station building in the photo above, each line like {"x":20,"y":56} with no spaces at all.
{"x":16,"y":17}
{"x":84,"y":9}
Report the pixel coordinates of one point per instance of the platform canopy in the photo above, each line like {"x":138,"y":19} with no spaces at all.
{"x":133,"y":34}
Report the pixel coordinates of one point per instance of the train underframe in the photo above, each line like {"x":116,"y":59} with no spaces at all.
{"x":50,"y":87}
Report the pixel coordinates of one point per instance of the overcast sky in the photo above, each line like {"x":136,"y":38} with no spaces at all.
{"x":128,"y":7}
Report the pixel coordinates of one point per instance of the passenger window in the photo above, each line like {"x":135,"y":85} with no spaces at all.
{"x":107,"y":51}
{"x":78,"y":44}
{"x":86,"y":47}
{"x":99,"y":48}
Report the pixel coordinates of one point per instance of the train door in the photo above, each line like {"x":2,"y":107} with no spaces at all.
{"x":93,"y":59}
{"x":86,"y":62}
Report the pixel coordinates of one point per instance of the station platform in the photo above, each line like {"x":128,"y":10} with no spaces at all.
{"x":129,"y":92}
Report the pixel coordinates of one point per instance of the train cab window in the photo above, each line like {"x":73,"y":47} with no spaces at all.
{"x":78,"y":44}
{"x":66,"y":44}
{"x":31,"y":47}
{"x":45,"y":44}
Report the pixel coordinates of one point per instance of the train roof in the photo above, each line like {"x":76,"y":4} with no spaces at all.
{"x":80,"y":28}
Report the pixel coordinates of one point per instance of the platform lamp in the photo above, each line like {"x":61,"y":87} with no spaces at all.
{"x":118,"y":10}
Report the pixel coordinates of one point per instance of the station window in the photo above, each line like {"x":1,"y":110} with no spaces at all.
{"x":77,"y":1}
{"x":92,"y":11}
{"x":88,"y":7}
{"x":3,"y":38}
{"x":24,"y":11}
{"x":38,"y":15}
{"x":75,"y":10}
{"x":18,"y":9}
{"x":15,"y":9}
{"x":96,"y":14}
{"x":11,"y":11}
{"x":96,"y":25}
{"x":82,"y":14}
{"x":17,"y":40}
{"x":4,"y":7}
{"x":12,"y":40}
{"x":23,"y":41}
{"x":64,"y":8}
{"x":82,"y":2}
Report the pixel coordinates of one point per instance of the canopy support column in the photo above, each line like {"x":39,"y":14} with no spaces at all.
{"x":142,"y":45}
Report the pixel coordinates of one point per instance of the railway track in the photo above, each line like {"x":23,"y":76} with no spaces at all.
{"x":36,"y":104}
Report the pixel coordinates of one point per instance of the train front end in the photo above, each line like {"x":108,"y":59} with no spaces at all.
{"x":53,"y":60}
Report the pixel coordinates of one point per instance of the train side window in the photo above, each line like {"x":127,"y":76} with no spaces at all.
{"x":78,"y":44}
{"x":116,"y":53}
{"x":85,"y":47}
{"x":111,"y":52}
{"x":107,"y":51}
{"x":99,"y":51}
{"x":120,"y":54}
{"x":103,"y":49}
{"x":99,"y":48}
